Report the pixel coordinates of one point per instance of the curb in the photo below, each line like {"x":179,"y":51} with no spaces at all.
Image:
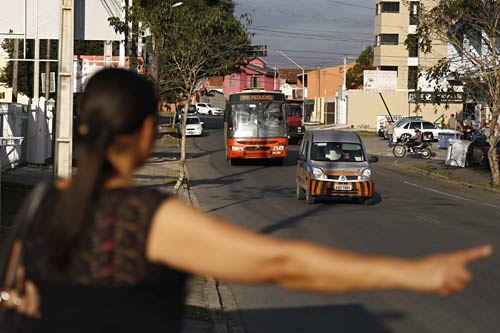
{"x":438,"y":176}
{"x":211,"y":289}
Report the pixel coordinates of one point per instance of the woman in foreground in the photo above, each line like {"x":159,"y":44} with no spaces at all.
{"x":102,"y":255}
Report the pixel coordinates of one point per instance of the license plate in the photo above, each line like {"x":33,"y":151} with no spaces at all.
{"x":343,"y":187}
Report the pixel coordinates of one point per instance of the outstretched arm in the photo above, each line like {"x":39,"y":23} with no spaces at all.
{"x":189,"y":240}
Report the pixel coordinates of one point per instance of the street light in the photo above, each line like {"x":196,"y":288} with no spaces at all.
{"x":177,"y":4}
{"x":303,"y":81}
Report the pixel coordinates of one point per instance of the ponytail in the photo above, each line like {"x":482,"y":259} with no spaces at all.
{"x":115,"y":102}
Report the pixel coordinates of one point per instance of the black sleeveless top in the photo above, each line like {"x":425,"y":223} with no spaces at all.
{"x":109,"y":285}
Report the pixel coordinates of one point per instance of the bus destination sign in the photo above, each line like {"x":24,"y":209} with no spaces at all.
{"x":256,"y":97}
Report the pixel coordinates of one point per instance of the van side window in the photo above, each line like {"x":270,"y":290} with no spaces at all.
{"x":303,"y":146}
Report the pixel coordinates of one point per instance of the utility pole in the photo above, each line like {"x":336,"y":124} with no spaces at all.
{"x":15,"y":71}
{"x":344,"y":86}
{"x":122,"y":37}
{"x":47,"y":73}
{"x":64,"y":125}
{"x":36,"y":63}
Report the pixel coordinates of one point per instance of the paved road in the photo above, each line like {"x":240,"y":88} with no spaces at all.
{"x":414,"y":216}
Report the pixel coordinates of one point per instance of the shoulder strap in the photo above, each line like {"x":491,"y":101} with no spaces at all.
{"x":13,"y":252}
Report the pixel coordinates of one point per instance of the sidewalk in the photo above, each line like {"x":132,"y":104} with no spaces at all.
{"x":160,"y":172}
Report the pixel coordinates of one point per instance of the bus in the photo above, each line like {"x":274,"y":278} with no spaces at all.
{"x":255,"y":126}
{"x":295,"y":122}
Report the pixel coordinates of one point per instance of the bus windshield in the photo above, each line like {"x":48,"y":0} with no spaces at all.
{"x":257,"y":120}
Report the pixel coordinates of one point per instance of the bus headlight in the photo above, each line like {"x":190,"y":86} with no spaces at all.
{"x":367,"y":173}
{"x":318,"y":173}
{"x":235,"y":148}
{"x":280,"y":148}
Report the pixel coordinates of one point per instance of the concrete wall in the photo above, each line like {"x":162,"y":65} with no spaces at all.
{"x":325,"y":82}
{"x":363,"y":108}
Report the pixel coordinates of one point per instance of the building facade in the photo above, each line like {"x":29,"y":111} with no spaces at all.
{"x":253,"y":74}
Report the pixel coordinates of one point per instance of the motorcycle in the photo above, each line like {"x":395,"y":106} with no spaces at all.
{"x":421,"y":151}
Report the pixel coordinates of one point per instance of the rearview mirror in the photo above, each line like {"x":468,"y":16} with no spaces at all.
{"x":202,"y":123}
{"x":373,"y":159}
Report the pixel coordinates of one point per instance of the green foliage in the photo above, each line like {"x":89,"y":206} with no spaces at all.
{"x":472,"y":29}
{"x":196,"y":40}
{"x":354,"y":75}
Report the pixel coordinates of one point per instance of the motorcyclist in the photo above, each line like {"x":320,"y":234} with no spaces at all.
{"x":415,"y":140}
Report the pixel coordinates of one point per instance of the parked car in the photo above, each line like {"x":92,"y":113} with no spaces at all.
{"x":194,"y":126}
{"x":406,"y":129}
{"x":477,"y":152}
{"x":381,"y":131}
{"x":206,"y":108}
{"x":334,"y":164}
{"x":180,"y":110}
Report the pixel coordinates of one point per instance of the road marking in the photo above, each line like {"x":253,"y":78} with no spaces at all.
{"x":450,"y":195}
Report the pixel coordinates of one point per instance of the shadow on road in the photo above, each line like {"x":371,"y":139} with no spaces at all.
{"x":348,"y":318}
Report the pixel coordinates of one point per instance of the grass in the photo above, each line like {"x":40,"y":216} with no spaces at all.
{"x":167,"y":141}
{"x":441,"y":173}
{"x":367,"y":133}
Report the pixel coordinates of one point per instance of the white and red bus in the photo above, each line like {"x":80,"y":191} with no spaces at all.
{"x":255,"y":126}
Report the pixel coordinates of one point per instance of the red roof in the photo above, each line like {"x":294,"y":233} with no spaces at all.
{"x":290,"y":74}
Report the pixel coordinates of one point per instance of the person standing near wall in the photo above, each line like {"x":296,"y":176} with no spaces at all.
{"x":452,"y":122}
{"x":390,"y":132}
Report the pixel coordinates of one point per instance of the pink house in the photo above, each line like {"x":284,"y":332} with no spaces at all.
{"x":255,"y":73}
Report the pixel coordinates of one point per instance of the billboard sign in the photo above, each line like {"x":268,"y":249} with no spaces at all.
{"x":380,"y":81}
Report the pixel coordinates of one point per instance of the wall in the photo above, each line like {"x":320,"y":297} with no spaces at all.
{"x":363,"y":108}
{"x":332,"y":76}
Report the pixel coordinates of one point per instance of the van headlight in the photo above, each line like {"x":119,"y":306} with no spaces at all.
{"x":367,"y":173}
{"x":318,"y":173}
{"x":234,"y":148}
{"x":280,"y":148}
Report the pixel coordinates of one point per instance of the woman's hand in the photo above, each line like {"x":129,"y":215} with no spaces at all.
{"x":446,"y":273}
{"x":27,"y":304}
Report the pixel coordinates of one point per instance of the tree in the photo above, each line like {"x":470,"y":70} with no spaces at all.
{"x":472,"y":29}
{"x":354,"y":76}
{"x":199,"y":39}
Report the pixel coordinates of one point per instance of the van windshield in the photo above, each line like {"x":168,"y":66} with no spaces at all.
{"x":337,"y":151}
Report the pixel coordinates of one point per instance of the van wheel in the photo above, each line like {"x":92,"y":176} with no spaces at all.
{"x":369,"y":201}
{"x":301,"y":195}
{"x":310,"y":199}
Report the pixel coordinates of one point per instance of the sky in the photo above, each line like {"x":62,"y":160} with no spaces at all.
{"x":311,"y":32}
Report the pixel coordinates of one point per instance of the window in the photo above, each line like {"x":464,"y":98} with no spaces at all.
{"x":2,"y":95}
{"x":255,"y":82}
{"x":427,"y":125}
{"x":232,"y":81}
{"x":412,"y":46}
{"x":413,"y":13}
{"x":389,"y":7}
{"x":388,"y":39}
{"x":412,"y":77}
{"x":389,"y":68}
{"x":415,"y":124}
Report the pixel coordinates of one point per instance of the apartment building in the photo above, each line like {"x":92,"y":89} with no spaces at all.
{"x":395,"y":22}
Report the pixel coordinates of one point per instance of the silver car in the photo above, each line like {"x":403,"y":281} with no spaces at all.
{"x":334,"y":164}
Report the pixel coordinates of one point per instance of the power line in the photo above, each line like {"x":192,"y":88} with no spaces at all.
{"x":352,"y":5}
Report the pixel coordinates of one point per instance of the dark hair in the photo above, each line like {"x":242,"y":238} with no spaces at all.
{"x":115,"y":102}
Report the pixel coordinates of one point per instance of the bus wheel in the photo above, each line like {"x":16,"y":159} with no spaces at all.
{"x":301,"y":195}
{"x":233,"y":161}
{"x":310,"y":199}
